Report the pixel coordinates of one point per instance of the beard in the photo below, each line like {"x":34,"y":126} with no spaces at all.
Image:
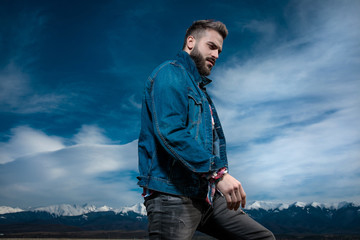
{"x":200,"y":62}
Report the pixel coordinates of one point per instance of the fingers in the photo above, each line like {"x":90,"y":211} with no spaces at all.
{"x":243,"y":198}
{"x":228,"y":200}
{"x":238,"y":197}
{"x":238,"y":200}
{"x":232,"y":191}
{"x":234,"y":198}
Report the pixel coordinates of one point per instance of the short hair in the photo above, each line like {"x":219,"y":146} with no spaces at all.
{"x":198,"y":28}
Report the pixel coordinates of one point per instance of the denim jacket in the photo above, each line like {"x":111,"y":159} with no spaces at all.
{"x":176,"y":142}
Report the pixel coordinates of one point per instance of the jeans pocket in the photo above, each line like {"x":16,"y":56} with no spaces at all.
{"x":172,"y":199}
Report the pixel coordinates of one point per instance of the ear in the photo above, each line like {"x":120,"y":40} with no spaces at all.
{"x":190,"y":43}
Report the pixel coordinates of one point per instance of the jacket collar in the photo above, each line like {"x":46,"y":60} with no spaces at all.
{"x":184,"y":59}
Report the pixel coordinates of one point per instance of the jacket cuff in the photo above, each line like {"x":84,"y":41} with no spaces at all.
{"x":214,"y":177}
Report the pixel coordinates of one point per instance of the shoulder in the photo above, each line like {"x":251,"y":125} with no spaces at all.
{"x":169,"y":77}
{"x":168,"y":67}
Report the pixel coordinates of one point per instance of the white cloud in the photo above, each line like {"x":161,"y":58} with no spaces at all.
{"x":291,"y":113}
{"x":27,"y":141}
{"x":89,"y":172}
{"x":299,"y":164}
{"x":90,"y":134}
{"x":134,"y":103}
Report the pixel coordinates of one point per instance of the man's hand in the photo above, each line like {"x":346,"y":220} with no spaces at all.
{"x":232,"y":191}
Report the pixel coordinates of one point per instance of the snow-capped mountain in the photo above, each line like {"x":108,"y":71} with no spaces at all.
{"x":282,"y":206}
{"x":139,"y":208}
{"x":4,"y":209}
{"x":295,"y":218}
{"x":76,"y":210}
{"x":266,"y":205}
{"x":67,"y":209}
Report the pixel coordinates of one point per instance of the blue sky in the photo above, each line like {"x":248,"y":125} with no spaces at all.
{"x":71,"y":79}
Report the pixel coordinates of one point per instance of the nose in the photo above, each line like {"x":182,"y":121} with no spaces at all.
{"x":215,"y":54}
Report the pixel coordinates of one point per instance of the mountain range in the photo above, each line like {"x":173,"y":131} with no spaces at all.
{"x":89,"y":220}
{"x":75,"y":210}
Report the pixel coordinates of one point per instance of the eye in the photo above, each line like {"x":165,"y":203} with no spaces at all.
{"x":212,"y":46}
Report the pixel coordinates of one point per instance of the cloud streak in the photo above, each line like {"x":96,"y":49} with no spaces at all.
{"x":291,"y":113}
{"x":17,"y":94}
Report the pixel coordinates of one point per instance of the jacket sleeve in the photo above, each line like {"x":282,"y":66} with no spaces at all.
{"x":169,"y":99}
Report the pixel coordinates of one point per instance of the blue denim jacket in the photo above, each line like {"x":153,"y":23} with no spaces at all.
{"x":176,"y":142}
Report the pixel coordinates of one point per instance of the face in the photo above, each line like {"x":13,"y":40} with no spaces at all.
{"x":206,"y":51}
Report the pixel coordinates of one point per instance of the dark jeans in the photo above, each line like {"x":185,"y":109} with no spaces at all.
{"x":175,"y":217}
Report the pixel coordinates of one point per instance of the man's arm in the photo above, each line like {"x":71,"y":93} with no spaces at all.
{"x":169,"y":106}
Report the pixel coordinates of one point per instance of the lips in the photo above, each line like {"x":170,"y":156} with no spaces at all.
{"x":211,"y":61}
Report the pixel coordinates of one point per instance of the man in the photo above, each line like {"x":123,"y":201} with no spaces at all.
{"x":182,"y":156}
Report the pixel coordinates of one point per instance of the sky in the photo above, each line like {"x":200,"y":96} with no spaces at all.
{"x":286,"y":87}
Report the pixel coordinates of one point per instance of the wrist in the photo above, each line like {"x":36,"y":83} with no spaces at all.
{"x":221,"y":178}
{"x":217,"y":176}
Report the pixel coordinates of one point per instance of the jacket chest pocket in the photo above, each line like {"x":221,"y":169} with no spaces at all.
{"x":195,"y":112}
